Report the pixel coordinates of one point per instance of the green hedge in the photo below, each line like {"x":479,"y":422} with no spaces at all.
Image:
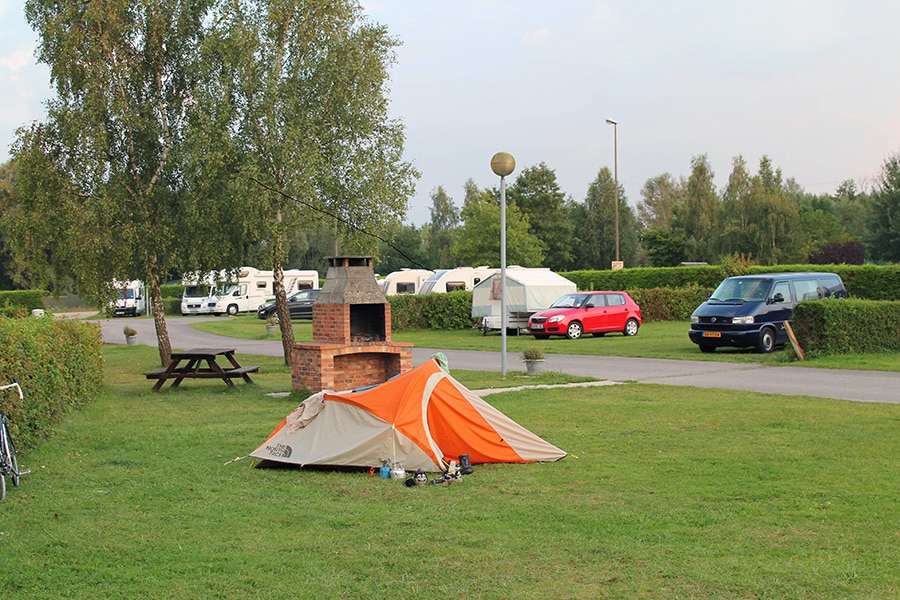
{"x":59,"y":365}
{"x":431,"y":311}
{"x":171,"y":291}
{"x":20,"y":303}
{"x":869,"y":282}
{"x":668,"y":304}
{"x":847,"y":326}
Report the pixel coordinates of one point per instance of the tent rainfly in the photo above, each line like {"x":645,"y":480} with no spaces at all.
{"x":421,"y":419}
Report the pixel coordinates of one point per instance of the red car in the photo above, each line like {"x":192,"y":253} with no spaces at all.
{"x":587,"y":312}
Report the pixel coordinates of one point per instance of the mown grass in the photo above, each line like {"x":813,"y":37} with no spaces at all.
{"x":661,"y":339}
{"x":668,"y":492}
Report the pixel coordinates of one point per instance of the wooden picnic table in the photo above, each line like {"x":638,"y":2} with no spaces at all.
{"x":201,"y":363}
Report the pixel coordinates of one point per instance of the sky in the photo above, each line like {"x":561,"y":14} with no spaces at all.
{"x":810,"y":84}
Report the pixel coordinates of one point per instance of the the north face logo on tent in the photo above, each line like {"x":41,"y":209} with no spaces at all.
{"x":279,"y":450}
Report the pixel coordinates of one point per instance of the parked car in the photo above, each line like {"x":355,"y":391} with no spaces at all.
{"x":299,"y":303}
{"x":749,"y":311}
{"x":578,"y":313}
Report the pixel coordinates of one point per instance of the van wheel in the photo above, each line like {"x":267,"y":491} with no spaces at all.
{"x":631,"y":327}
{"x":574,"y":331}
{"x":232,"y":309}
{"x":707,"y":349}
{"x":766,"y":341}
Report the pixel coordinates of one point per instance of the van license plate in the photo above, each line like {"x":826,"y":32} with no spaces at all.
{"x":716,"y":334}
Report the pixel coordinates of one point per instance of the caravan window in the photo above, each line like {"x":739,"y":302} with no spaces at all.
{"x":406,"y":287}
{"x":455,"y":286}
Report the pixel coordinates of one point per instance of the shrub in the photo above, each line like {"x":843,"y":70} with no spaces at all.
{"x":668,"y":304}
{"x":432,"y":311}
{"x":59,"y":365}
{"x":847,"y":326}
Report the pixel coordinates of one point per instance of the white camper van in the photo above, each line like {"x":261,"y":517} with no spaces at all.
{"x":132,"y":299}
{"x":254,"y":287}
{"x":404,"y":281}
{"x":451,"y":280}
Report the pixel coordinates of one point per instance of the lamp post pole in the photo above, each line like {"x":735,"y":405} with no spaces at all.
{"x":503,"y":164}
{"x":615,"y":125}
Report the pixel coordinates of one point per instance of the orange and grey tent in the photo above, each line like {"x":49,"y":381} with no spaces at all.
{"x":421,"y":419}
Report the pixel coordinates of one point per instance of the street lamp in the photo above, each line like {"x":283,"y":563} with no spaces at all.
{"x":503,"y":164}
{"x":615,"y":125}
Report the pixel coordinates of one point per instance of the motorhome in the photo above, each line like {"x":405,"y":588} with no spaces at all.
{"x":254,"y":287}
{"x":404,"y":281}
{"x":451,"y":280}
{"x":132,"y":299}
{"x":249,"y":287}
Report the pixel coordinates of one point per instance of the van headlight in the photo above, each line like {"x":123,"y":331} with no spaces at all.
{"x":743,"y":320}
{"x":694,"y":319}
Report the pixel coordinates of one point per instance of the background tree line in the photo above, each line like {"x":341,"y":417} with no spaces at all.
{"x":761,"y":217}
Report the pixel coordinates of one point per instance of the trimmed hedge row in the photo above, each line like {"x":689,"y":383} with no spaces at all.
{"x":58,"y":363}
{"x":847,"y":326}
{"x":432,"y":311}
{"x":19,"y":303}
{"x":668,"y":304}
{"x":870,"y":282}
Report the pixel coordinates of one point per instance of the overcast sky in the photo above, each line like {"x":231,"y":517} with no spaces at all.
{"x":812,"y":84}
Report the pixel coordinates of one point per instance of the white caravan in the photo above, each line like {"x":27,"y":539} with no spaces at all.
{"x":528,"y":290}
{"x":404,"y":281}
{"x":254,"y":287}
{"x":451,"y":280}
{"x":132,"y":299}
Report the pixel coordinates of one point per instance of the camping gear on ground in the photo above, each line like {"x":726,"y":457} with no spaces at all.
{"x":451,"y":475}
{"x":421,"y":419}
{"x":465,"y":465}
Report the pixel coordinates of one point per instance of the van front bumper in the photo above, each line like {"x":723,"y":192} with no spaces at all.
{"x":717,"y":338}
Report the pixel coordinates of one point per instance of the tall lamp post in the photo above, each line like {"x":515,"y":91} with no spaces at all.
{"x":615,"y":125}
{"x":503,"y":164}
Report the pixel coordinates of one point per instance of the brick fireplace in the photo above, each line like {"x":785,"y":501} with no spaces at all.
{"x":351,"y":345}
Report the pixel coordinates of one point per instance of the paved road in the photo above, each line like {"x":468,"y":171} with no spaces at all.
{"x":864,"y":386}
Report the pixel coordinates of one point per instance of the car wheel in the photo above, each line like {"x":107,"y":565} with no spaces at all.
{"x":232,"y":310}
{"x":631,"y":327}
{"x":766,"y":341}
{"x":574,"y":331}
{"x":707,"y":349}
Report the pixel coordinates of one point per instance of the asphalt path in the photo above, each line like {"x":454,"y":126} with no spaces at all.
{"x":862,"y":386}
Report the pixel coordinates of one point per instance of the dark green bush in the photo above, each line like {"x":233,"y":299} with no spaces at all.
{"x":171,"y":291}
{"x":431,"y":311}
{"x":59,"y":365}
{"x":668,"y":304}
{"x":847,"y":326}
{"x":16,"y":303}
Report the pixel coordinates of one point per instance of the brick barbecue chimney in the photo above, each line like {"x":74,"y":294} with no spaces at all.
{"x":351,"y":344}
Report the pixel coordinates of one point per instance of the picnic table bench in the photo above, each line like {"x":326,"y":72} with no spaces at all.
{"x":202,"y":363}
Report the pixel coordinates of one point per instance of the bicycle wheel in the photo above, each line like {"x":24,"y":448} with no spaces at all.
{"x":9,"y":450}
{"x":8,"y":455}
{"x":2,"y":487}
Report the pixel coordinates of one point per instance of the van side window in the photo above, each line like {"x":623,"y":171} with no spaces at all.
{"x":806,"y":289}
{"x":783,"y":288}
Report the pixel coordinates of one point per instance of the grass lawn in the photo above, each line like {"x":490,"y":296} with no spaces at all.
{"x":668,"y":493}
{"x":661,"y":339}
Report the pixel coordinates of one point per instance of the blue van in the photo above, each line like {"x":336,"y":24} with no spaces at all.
{"x":749,"y":311}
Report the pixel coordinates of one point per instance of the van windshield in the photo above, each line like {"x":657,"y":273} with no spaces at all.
{"x":741,"y":290}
